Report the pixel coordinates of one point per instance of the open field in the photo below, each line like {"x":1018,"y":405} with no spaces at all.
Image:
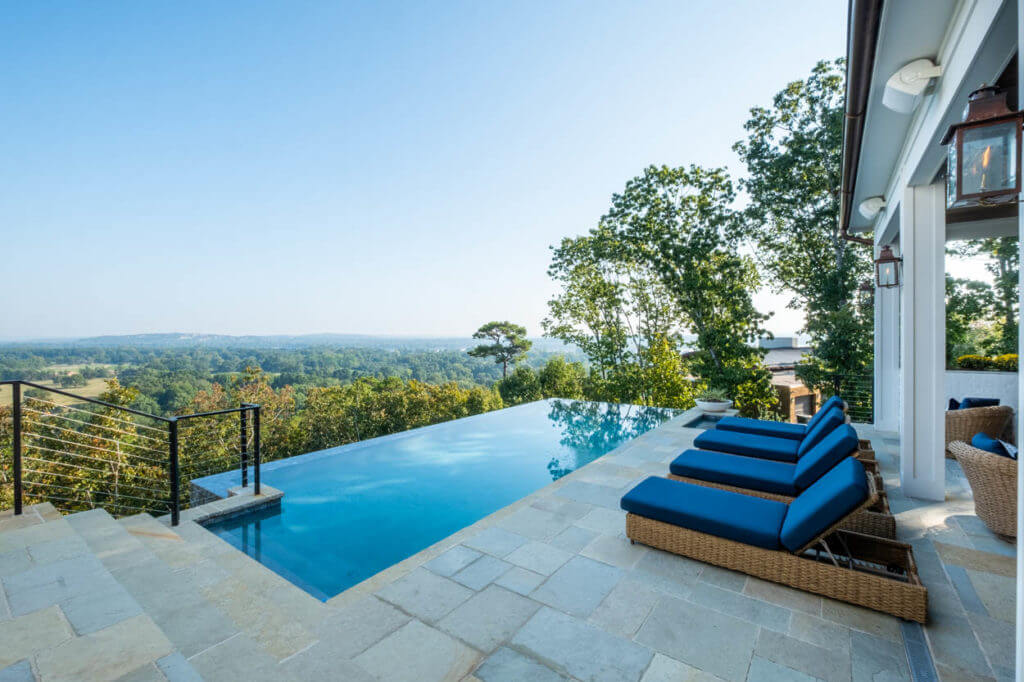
{"x":92,"y":389}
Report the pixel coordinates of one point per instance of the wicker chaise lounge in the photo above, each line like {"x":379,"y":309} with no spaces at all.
{"x":799,"y":544}
{"x":764,"y":427}
{"x":781,"y":481}
{"x":770,"y":447}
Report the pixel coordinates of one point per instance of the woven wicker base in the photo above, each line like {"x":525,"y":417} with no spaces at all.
{"x":876,"y":520}
{"x":993,"y":482}
{"x":907,"y":600}
{"x":865,"y":452}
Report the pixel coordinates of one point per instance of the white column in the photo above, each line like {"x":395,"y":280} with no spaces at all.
{"x":923,"y":311}
{"x":887,"y":357}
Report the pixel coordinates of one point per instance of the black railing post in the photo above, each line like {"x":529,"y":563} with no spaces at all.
{"x":243,"y":431}
{"x":175,"y":492}
{"x":16,"y":443}
{"x":256,"y":450}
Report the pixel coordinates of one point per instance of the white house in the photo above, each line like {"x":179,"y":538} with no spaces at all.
{"x":912,"y":65}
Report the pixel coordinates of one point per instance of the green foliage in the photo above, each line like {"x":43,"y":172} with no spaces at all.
{"x":982,"y":318}
{"x":663,"y":259}
{"x":562,"y":379}
{"x":371,"y":407}
{"x":665,"y":378}
{"x":793,"y":154}
{"x":521,"y":386}
{"x":713,"y":395}
{"x":756,"y":397}
{"x":508,"y":344}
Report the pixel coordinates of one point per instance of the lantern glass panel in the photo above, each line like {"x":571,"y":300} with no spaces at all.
{"x":989,"y":162}
{"x":887,"y":274}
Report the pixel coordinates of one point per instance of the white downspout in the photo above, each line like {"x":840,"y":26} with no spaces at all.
{"x":1020,"y":387}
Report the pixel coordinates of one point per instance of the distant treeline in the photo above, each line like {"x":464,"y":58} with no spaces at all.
{"x":168,"y":379}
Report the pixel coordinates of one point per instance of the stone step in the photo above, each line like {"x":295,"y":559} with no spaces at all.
{"x":63,"y":613}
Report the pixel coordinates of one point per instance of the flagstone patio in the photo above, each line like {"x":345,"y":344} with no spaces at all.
{"x":546,"y":589}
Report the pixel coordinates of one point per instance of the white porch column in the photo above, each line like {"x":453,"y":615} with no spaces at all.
{"x":887,"y":357}
{"x":923,"y":311}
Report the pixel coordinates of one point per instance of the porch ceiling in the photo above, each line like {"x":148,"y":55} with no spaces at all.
{"x":939,"y":30}
{"x":909,"y":30}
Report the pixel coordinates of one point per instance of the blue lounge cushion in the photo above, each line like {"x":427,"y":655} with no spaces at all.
{"x":954,"y":404}
{"x":833,"y":448}
{"x":985,"y":442}
{"x":825,"y":503}
{"x":744,"y":472}
{"x":763,"y":427}
{"x":734,"y":442}
{"x":968,"y":403}
{"x":734,"y":516}
{"x":834,"y":401}
{"x":832,"y":420}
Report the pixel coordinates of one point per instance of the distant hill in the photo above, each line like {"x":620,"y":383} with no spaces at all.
{"x":189,"y":340}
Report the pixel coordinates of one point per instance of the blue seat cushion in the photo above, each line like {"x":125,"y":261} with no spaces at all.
{"x":734,"y":442}
{"x":833,"y":448}
{"x":744,"y":472}
{"x":985,"y":442}
{"x":734,"y":516}
{"x":834,"y":401}
{"x":824,"y":504}
{"x":968,"y":403}
{"x":763,"y":427}
{"x":826,"y":425}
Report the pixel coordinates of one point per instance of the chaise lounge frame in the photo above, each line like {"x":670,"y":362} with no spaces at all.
{"x":838,"y":564}
{"x":876,"y":520}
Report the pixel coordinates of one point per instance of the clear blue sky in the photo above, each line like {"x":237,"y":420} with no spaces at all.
{"x":390,"y":168}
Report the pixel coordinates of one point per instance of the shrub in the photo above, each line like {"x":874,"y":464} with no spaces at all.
{"x":1003,"y":363}
{"x":713,"y":395}
{"x":1006,"y":362}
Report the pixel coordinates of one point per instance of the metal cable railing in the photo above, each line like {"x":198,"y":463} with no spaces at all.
{"x":858,"y":390}
{"x":89,"y":453}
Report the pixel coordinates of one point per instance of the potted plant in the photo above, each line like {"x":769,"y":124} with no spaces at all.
{"x":713,"y":400}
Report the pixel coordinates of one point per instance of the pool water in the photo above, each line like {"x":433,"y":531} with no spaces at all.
{"x":352,"y":511}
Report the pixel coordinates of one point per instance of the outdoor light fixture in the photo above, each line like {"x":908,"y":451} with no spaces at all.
{"x":904,"y":86}
{"x":887,"y":268}
{"x":983,"y":168}
{"x":871,"y":207}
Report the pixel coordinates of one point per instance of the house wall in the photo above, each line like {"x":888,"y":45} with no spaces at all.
{"x":1002,"y":385}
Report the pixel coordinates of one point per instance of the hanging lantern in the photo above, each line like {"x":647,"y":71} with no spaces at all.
{"x":983,"y":168}
{"x":887,"y":269}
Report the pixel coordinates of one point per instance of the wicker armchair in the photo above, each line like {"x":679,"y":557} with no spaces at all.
{"x":962,"y":425}
{"x":993,"y":480}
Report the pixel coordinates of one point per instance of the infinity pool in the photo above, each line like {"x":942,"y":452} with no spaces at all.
{"x":352,"y":511}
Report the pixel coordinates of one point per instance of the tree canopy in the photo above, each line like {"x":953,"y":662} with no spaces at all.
{"x":508,"y":344}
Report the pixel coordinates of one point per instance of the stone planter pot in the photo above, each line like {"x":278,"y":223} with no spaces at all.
{"x":714,"y":406}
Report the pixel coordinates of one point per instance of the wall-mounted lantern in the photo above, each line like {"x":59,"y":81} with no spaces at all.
{"x":983,"y":169}
{"x":887,"y":269}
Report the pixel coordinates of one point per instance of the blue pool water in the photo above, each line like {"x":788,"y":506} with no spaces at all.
{"x":352,"y":511}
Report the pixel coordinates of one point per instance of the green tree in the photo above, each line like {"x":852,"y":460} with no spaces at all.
{"x":508,"y":344}
{"x":521,"y":386}
{"x":666,"y":378}
{"x":613,"y":307}
{"x":793,"y":154}
{"x":562,"y":379}
{"x":968,"y":304}
{"x":1003,"y":263}
{"x":680,"y":222}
